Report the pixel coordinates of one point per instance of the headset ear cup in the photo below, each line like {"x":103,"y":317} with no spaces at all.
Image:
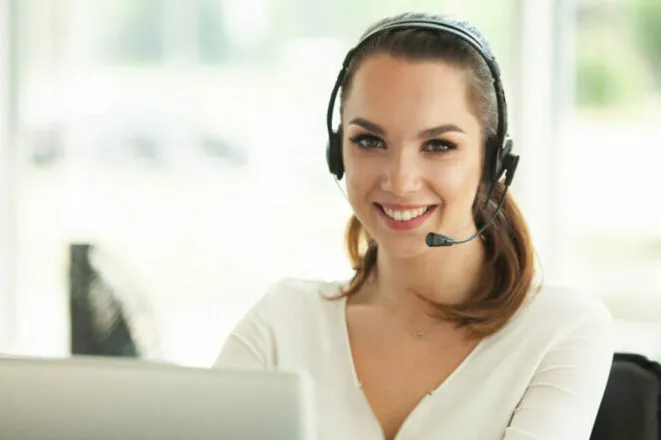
{"x":491,"y":165}
{"x":494,"y":166}
{"x":334,"y":155}
{"x":503,"y":158}
{"x":329,"y":160}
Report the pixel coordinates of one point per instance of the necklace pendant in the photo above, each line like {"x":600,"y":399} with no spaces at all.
{"x":420,"y":334}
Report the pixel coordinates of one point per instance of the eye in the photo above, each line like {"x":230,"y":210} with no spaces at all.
{"x":439,"y":146}
{"x":367,"y":141}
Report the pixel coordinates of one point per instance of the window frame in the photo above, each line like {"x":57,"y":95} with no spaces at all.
{"x":9,"y":85}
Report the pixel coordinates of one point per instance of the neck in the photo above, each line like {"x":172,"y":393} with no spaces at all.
{"x":448,"y":275}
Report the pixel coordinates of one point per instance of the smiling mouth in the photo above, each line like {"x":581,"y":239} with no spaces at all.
{"x":404,"y":215}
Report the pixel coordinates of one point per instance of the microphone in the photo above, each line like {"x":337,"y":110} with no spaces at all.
{"x":438,"y":240}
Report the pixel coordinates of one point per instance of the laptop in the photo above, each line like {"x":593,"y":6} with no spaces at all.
{"x":84,"y":398}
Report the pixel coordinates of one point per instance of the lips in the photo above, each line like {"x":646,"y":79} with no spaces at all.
{"x":404,"y":217}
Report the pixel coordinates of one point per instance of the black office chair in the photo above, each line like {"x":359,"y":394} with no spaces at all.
{"x":631,"y":407}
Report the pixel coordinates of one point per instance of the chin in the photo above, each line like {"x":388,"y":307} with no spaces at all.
{"x":403,"y":247}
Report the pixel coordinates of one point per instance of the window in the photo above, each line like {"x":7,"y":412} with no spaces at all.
{"x":184,"y":143}
{"x":609,"y":166}
{"x":610,"y":151}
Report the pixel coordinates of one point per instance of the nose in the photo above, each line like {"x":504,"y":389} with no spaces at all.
{"x":402,"y":173}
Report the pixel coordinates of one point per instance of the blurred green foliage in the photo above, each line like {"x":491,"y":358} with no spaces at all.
{"x":608,"y":72}
{"x":136,"y":31}
{"x":618,"y":44}
{"x":618,"y":53}
{"x":213,"y":45}
{"x":139,"y":36}
{"x":647,"y":25}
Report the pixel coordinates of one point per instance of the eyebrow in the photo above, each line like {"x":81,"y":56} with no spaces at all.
{"x":427,"y":133}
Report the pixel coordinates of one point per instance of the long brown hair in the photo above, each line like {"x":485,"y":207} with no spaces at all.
{"x":509,"y":251}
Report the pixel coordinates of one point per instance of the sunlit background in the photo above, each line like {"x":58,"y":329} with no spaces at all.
{"x":183,"y":140}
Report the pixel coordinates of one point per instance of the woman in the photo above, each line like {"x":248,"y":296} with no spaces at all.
{"x":450,"y":342}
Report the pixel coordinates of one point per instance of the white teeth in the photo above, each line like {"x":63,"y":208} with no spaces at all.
{"x":405,"y":215}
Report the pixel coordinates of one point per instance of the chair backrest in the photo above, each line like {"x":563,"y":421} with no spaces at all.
{"x":631,"y":407}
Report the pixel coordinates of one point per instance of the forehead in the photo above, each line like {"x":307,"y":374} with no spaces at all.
{"x":389,"y":89}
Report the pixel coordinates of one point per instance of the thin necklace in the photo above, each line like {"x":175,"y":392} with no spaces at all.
{"x":419,"y":334}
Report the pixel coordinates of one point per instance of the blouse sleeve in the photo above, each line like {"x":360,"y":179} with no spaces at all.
{"x":250,"y":345}
{"x":562,"y":400}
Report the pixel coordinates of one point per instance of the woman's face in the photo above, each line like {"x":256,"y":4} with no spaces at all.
{"x":412,"y":152}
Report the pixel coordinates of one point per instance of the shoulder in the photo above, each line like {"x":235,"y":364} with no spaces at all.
{"x":297,"y":297}
{"x":553,"y":313}
{"x":564,"y":308}
{"x":561,"y":345}
{"x":286,"y":319}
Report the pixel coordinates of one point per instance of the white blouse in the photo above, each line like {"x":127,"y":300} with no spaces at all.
{"x":541,"y":377}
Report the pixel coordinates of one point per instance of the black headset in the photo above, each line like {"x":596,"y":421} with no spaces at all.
{"x":498,"y":158}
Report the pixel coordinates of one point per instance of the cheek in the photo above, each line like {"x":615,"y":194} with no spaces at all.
{"x":353,"y":180}
{"x":458,"y":185}
{"x":359,"y":175}
{"x":358,"y":184}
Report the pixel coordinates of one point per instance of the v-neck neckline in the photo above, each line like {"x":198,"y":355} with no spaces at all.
{"x":349,"y":360}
